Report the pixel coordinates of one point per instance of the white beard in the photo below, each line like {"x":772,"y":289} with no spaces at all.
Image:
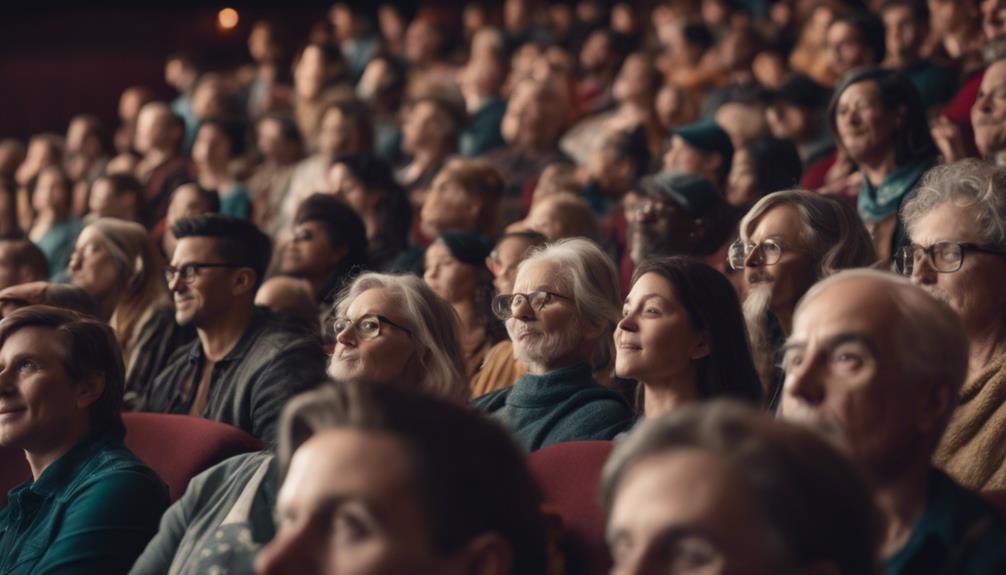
{"x":756,"y":310}
{"x":540,"y":349}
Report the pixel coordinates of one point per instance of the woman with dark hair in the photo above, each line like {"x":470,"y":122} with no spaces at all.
{"x":765,"y":165}
{"x":880,"y":124}
{"x":368,"y":185}
{"x":682,"y":337}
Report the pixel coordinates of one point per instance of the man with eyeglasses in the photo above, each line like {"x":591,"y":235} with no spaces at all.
{"x":789,"y":240}
{"x":876,"y":362}
{"x":958,"y":253}
{"x":245,"y":363}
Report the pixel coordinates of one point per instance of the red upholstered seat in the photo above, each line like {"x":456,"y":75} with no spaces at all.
{"x":177,"y":447}
{"x":569,"y":475}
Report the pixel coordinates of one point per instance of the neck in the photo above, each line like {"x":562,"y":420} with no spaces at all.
{"x":40,"y":458}
{"x":663,"y":397}
{"x":876,"y":169}
{"x":986,"y":347}
{"x":107,"y":305}
{"x":901,"y":500}
{"x":220,"y":337}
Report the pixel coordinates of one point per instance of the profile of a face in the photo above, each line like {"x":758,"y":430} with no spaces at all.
{"x":550,"y":337}
{"x":389,"y":356}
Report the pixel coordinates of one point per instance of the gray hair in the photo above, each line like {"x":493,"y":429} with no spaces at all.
{"x":590,"y":276}
{"x":967,"y":183}
{"x":833,"y":231}
{"x":434,"y":326}
{"x":930,"y":339}
{"x":788,"y":470}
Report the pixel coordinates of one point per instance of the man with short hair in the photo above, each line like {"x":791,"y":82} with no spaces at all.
{"x":159,"y":134}
{"x":878,"y":362}
{"x":244,"y":364}
{"x":702,"y":148}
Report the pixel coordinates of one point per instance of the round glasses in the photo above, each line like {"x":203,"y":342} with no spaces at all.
{"x":944,"y":256}
{"x":367,"y":326}
{"x":504,"y":303}
{"x":769,"y":250}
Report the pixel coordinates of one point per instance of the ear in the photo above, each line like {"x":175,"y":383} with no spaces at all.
{"x":701,"y":348}
{"x":89,"y":390}
{"x":488,"y":554}
{"x":243,"y":281}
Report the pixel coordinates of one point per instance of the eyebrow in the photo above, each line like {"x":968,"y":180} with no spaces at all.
{"x":834,"y":340}
{"x":645,"y":297}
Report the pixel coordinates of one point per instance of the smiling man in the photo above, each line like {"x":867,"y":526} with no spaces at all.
{"x":245,"y":363}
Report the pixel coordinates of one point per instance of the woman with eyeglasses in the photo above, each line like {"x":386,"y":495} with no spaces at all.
{"x":957,"y":252}
{"x":788,"y":241}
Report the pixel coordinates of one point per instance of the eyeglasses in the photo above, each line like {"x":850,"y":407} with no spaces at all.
{"x":944,"y":256}
{"x":367,"y":327}
{"x":504,"y":303}
{"x":188,"y":272}
{"x":769,"y":250}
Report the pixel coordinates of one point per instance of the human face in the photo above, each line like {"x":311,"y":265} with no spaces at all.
{"x":451,"y":279}
{"x":687,"y":511}
{"x":742,"y":183}
{"x":103,"y":202}
{"x":336,"y":135}
{"x":349,"y":506}
{"x":844,"y":49}
{"x":503,"y":262}
{"x":347,"y":188}
{"x":269,"y":138}
{"x":633,"y":80}
{"x":310,"y":252}
{"x":186,"y":202}
{"x":211,"y":147}
{"x":549,"y":338}
{"x":993,"y":18}
{"x":151,"y":127}
{"x":658,"y":227}
{"x":865,"y":127}
{"x":845,"y":375}
{"x":51,"y":193}
{"x":682,"y":156}
{"x":655,"y":340}
{"x":786,"y":120}
{"x":91,"y":266}
{"x":794,"y":273}
{"x":976,"y":290}
{"x":988,"y":115}
{"x":903,"y":34}
{"x":448,"y":205}
{"x":41,"y":408}
{"x":212,"y":293}
{"x":388,"y":358}
{"x":420,"y":128}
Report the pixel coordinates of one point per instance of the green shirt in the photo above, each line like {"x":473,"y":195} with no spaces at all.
{"x":562,"y":405}
{"x":958,"y":533}
{"x":91,"y":511}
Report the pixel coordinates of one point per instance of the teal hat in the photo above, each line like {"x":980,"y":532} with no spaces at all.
{"x":708,"y":136}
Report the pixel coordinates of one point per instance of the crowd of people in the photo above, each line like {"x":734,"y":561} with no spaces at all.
{"x":760,"y":247}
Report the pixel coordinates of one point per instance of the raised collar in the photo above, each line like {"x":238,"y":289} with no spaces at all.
{"x":260,"y":315}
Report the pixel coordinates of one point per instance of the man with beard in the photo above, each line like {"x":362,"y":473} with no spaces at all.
{"x":958,"y":254}
{"x":245,"y":363}
{"x":788,"y":241}
{"x":679,"y":213}
{"x":877,"y":362}
{"x":561,"y":317}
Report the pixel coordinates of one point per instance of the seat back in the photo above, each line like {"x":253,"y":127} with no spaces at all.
{"x":177,"y":447}
{"x":569,"y":475}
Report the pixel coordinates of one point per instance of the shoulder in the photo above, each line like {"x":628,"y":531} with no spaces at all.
{"x":492,"y":401}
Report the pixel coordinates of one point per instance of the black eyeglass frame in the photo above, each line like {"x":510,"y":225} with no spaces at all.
{"x":503,"y":303}
{"x":170,"y":272}
{"x":906,"y":252}
{"x":355,"y":324}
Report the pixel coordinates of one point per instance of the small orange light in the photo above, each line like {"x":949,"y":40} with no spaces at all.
{"x":227,"y":18}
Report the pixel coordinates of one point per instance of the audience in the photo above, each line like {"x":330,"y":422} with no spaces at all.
{"x":21,"y":262}
{"x":90,"y":505}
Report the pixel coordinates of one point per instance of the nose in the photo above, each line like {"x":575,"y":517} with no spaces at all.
{"x":521,"y":309}
{"x":754,"y":258}
{"x":346,"y":337}
{"x":923,"y":272}
{"x":75,"y":263}
{"x":286,"y":554}
{"x":176,"y":284}
{"x":628,"y":323}
{"x":804,"y":382}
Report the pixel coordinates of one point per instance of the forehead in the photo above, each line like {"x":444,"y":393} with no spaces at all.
{"x":88,"y":235}
{"x":374,"y":300}
{"x":782,"y":221}
{"x":195,"y":249}
{"x":652,"y":283}
{"x":995,"y":75}
{"x":539,"y":273}
{"x":867,"y":89}
{"x":512,"y":247}
{"x":438,"y":249}
{"x":840,"y":31}
{"x":946,"y":221}
{"x":37,"y":341}
{"x":859,"y":306}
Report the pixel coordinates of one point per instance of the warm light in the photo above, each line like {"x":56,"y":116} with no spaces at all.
{"x":227,"y":18}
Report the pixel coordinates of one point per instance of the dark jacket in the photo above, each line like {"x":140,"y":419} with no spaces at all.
{"x":249,"y":387}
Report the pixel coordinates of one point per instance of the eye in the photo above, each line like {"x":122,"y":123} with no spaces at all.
{"x":348,"y":527}
{"x":26,"y":366}
{"x":370,"y":324}
{"x":792,"y":359}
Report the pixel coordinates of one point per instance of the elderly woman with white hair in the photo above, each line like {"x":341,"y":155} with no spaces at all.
{"x":561,"y":317}
{"x":957,"y":226}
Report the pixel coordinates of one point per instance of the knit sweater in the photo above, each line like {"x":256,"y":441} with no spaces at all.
{"x":562,"y":405}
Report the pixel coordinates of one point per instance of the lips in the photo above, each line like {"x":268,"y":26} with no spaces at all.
{"x":10,"y":410}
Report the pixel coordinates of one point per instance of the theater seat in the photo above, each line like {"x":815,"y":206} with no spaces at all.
{"x":177,"y":447}
{"x":569,"y":475}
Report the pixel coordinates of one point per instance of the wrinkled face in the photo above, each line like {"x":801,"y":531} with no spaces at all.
{"x":347,"y":188}
{"x":845,"y":49}
{"x":349,"y":506}
{"x":186,"y":202}
{"x":794,"y":273}
{"x":389,"y":358}
{"x":38,"y":399}
{"x":211,"y":293}
{"x":865,"y":127}
{"x":787,"y":121}
{"x":549,"y":338}
{"x":976,"y":290}
{"x":503,"y":262}
{"x":845,"y":375}
{"x":336,"y":135}
{"x":452,"y":280}
{"x":211,"y":146}
{"x":310,"y":253}
{"x":988,"y":115}
{"x":993,"y":18}
{"x":903,"y":34}
{"x":92,"y":267}
{"x":655,"y":340}
{"x":687,"y":511}
{"x":448,"y":205}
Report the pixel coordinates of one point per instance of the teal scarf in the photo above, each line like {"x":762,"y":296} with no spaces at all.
{"x":876,"y":204}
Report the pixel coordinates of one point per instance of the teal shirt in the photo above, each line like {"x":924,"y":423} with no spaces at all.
{"x":91,"y":511}
{"x":57,"y":244}
{"x":562,"y":405}
{"x":235,"y":202}
{"x":958,"y":533}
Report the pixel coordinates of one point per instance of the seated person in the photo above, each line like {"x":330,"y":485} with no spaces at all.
{"x":717,"y":488}
{"x":407,"y":475}
{"x":560,"y":318}
{"x":878,"y":362}
{"x":91,"y":505}
{"x":21,"y":262}
{"x":426,"y":358}
{"x":117,"y":196}
{"x":244,"y":364}
{"x":55,"y":228}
